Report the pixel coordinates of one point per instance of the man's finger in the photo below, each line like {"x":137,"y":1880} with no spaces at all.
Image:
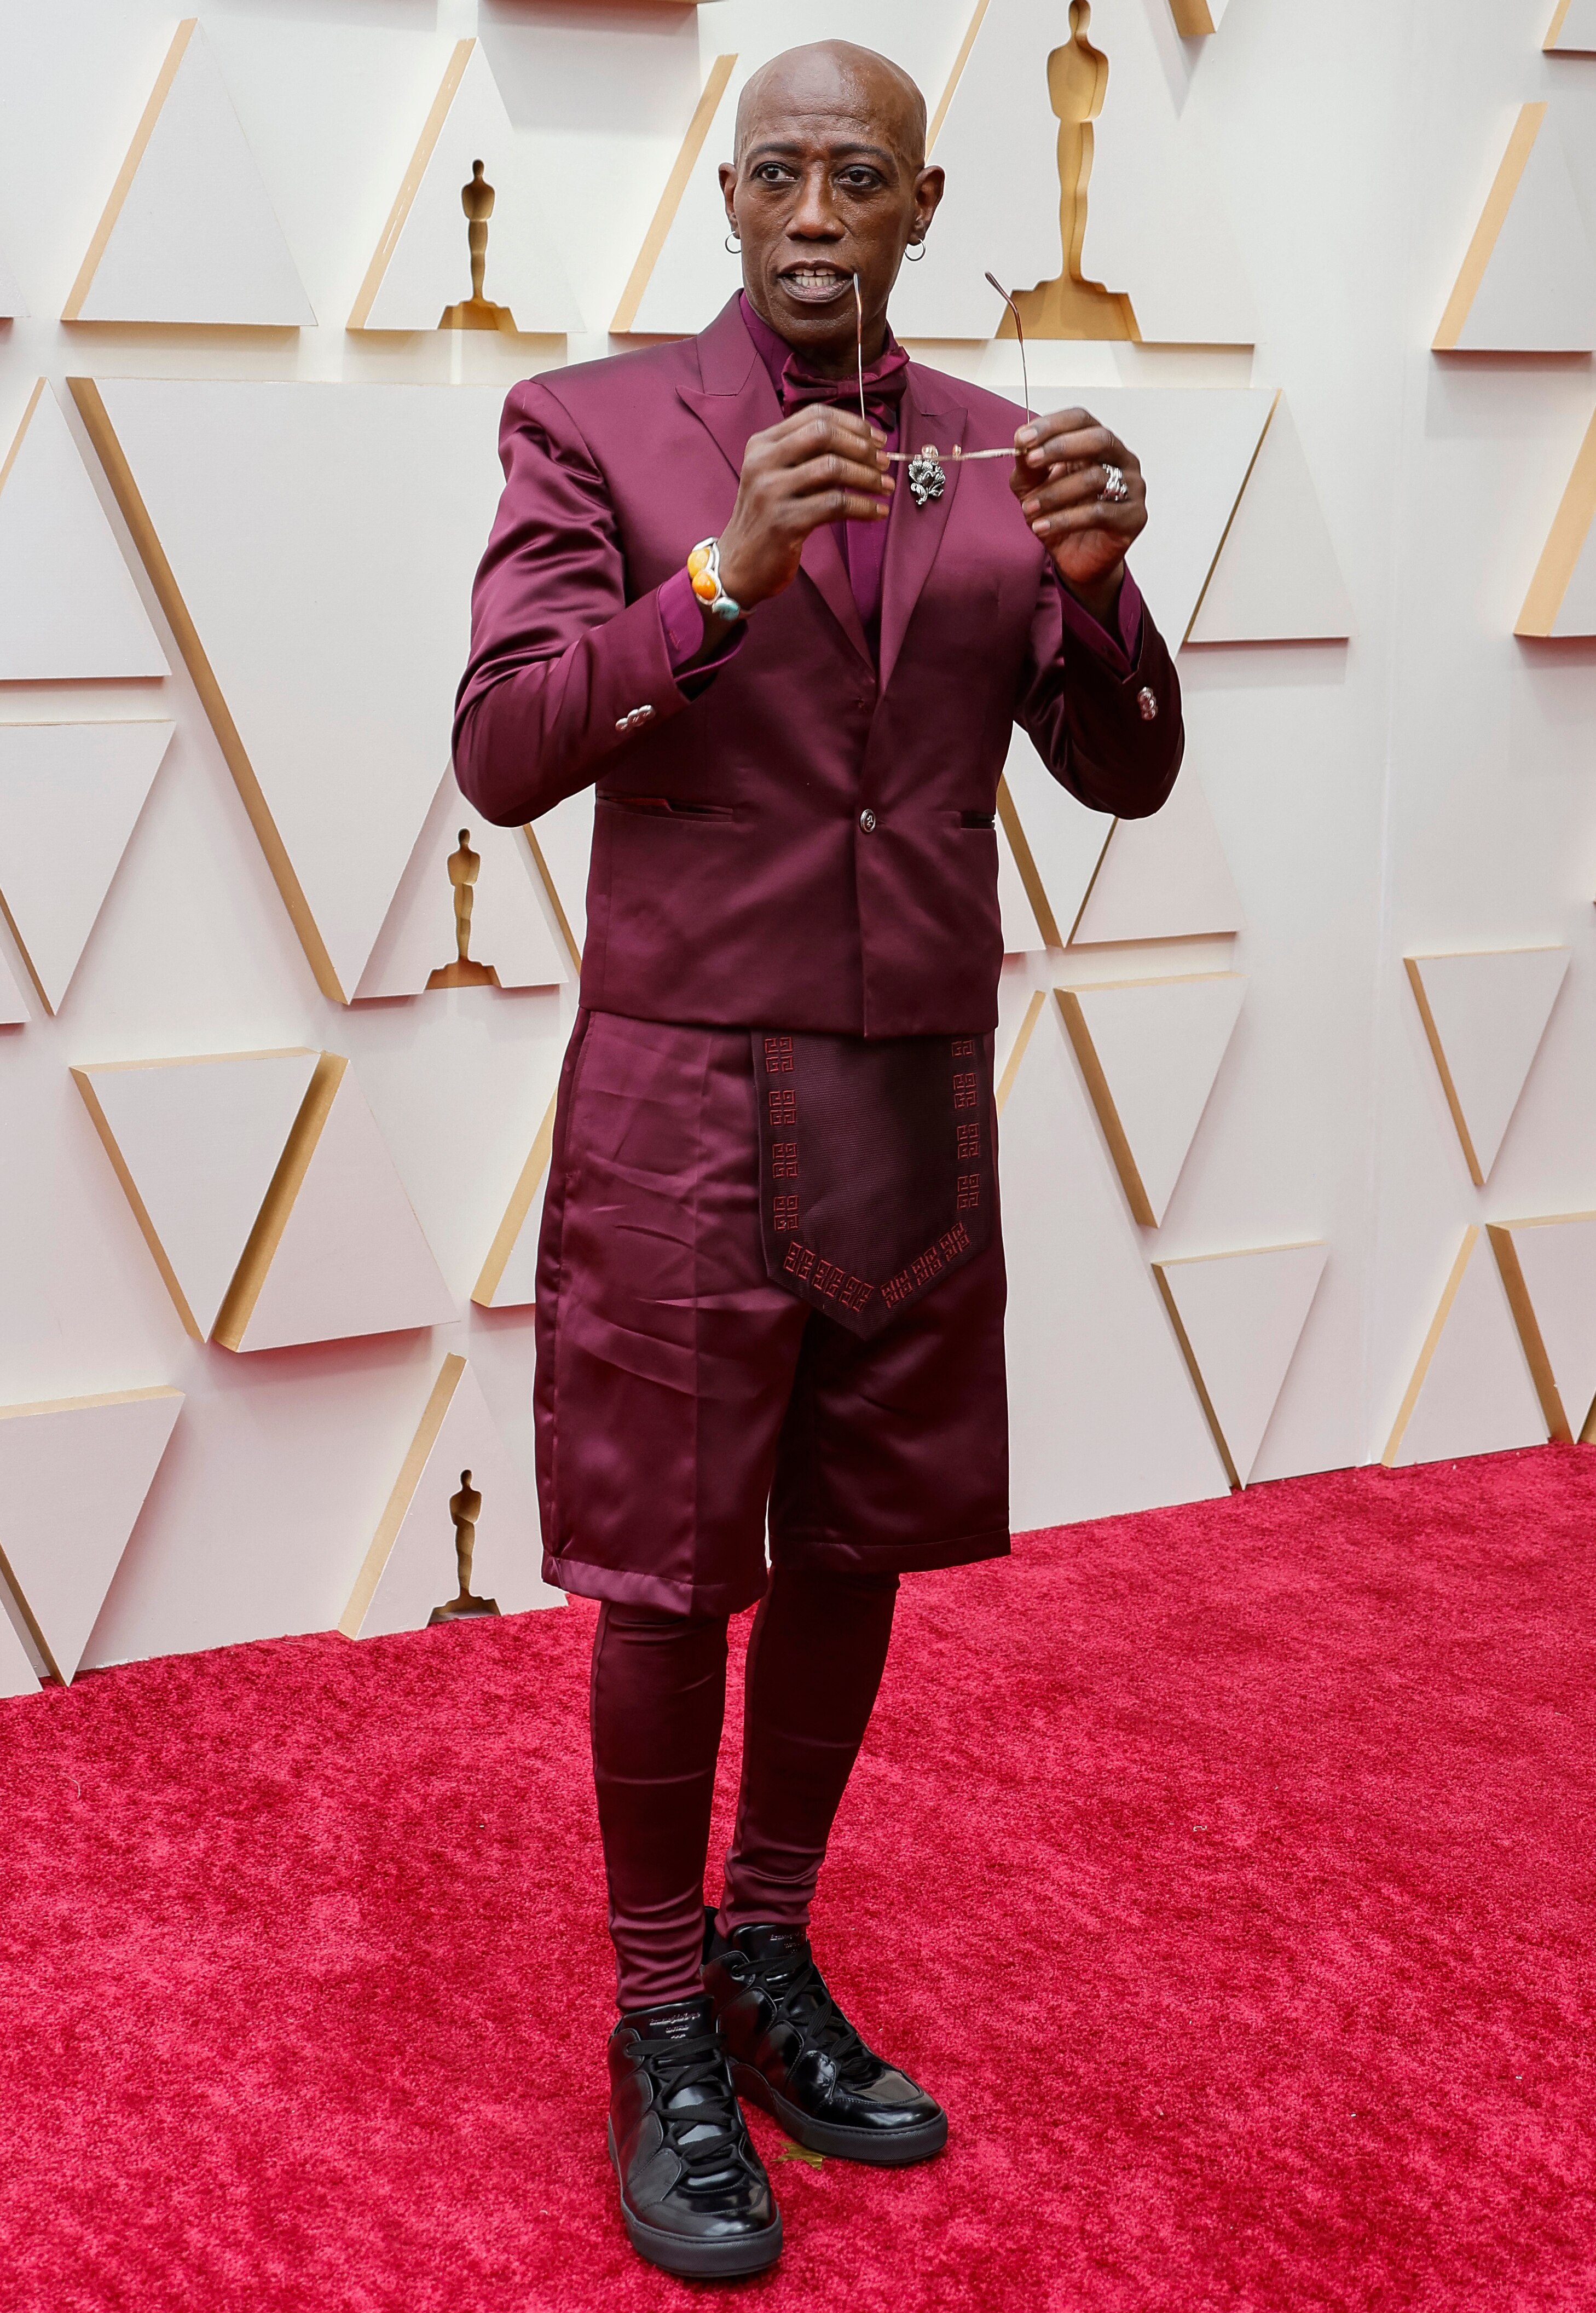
{"x":1123,"y":523}
{"x":1054,"y":420}
{"x":832,"y":471}
{"x":1084,"y":486}
{"x":1077,"y":445}
{"x":810,"y":430}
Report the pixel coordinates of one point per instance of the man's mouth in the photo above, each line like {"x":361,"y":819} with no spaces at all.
{"x":816,"y":284}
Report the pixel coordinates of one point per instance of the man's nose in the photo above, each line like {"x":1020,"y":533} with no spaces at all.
{"x":815,"y":216}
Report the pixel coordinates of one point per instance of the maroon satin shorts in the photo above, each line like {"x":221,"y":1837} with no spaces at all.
{"x":681,"y":1396}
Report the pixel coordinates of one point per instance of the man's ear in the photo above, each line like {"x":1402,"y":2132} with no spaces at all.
{"x":929,"y":187}
{"x":728,"y":187}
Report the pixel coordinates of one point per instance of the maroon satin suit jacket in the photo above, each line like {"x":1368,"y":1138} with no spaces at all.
{"x":792,"y":837}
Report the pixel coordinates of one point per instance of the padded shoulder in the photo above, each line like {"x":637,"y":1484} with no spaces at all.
{"x":598,"y":390}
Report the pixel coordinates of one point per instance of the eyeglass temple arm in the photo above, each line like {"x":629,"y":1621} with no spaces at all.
{"x":1019,"y":333}
{"x":1024,"y":368}
{"x":859,"y":313}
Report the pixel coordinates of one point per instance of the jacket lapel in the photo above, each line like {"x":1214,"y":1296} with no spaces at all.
{"x":739,"y":400}
{"x":916,"y":532}
{"x":822,"y":563}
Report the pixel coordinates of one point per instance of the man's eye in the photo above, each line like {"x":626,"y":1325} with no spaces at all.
{"x":770,"y":172}
{"x":860,"y":181}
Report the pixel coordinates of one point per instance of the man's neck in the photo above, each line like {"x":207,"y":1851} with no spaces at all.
{"x":820,"y":362}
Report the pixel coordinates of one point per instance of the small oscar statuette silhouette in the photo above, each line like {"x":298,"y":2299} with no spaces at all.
{"x":465,"y":1508}
{"x":464,"y":867}
{"x":478,"y":311}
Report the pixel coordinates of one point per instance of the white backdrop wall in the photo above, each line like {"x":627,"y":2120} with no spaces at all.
{"x":1420,"y":787}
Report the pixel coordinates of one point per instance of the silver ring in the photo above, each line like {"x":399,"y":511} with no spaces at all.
{"x":1115,"y":487}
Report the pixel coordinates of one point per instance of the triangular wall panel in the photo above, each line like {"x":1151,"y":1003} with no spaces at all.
{"x":1019,"y":1006}
{"x":70,"y":794}
{"x":513,"y":926}
{"x":1162,"y":878}
{"x":196,"y":1145}
{"x":412,"y":1565}
{"x":189,"y":233}
{"x":1561,"y":598}
{"x":1157,"y":222}
{"x":13,"y":1005}
{"x":562,"y":844}
{"x":1149,"y":1051}
{"x":509,"y":1275}
{"x":1004,"y":219}
{"x":1057,"y":843}
{"x":18,"y":1675}
{"x":1238,"y":1317}
{"x":1197,"y":445}
{"x":1483,"y":1016}
{"x":1104,"y":1415}
{"x":1277,"y":578}
{"x":13,"y":306}
{"x":1528,"y":283}
{"x":422,"y":265}
{"x":69,"y":610}
{"x":1548,"y":1269}
{"x":338,"y":1250}
{"x":73,"y":1475}
{"x":1023,"y":935}
{"x":331,"y":700}
{"x":1470,"y":1391}
{"x":1573,"y":29}
{"x":684,"y":271}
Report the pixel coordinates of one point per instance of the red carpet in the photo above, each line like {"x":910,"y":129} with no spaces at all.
{"x":1228,"y":1872}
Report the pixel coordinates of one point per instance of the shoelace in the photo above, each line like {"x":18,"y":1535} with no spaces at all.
{"x":798,"y":1990}
{"x":697,"y":2104}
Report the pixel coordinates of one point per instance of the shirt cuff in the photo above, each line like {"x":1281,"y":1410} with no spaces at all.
{"x":682,"y":623}
{"x":1122,"y":650}
{"x":682,"y":619}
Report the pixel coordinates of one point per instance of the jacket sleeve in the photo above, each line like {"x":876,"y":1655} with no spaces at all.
{"x":565,"y":670}
{"x":1103,"y":711}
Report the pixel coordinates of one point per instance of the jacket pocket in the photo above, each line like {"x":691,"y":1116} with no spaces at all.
{"x":666,"y":807}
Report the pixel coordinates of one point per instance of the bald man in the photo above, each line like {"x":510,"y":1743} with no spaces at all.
{"x":770,"y":1282}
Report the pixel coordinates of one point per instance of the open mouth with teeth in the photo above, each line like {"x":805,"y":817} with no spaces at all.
{"x":816,"y":284}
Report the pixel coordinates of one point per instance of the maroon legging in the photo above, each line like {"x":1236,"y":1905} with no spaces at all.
{"x":659,"y":1686}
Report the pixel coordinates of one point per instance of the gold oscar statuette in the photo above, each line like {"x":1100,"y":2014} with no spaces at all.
{"x":465,"y":1508}
{"x":478,"y":311}
{"x":464,"y":867}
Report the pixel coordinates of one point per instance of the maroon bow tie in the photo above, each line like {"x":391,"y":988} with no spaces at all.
{"x":884,"y":385}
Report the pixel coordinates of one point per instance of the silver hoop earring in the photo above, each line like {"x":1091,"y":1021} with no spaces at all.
{"x":733,"y":244}
{"x":914,"y":253}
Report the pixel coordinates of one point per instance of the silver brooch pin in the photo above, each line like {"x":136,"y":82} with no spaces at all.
{"x":926,"y":480}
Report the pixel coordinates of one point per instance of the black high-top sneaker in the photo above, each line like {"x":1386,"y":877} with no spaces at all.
{"x":795,"y":2054}
{"x":693,"y":2190}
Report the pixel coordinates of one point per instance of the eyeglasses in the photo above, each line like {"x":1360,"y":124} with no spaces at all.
{"x":929,"y":454}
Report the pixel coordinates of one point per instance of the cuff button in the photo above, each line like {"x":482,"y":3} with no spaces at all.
{"x":1146,"y":705}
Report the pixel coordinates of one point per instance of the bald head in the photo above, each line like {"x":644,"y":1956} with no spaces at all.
{"x":835,"y":77}
{"x":828,"y":189}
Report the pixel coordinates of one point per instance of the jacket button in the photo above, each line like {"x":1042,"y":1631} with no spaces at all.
{"x":1146,"y":705}
{"x":867,"y":821}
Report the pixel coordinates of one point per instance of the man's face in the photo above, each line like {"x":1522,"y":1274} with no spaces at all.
{"x":828,"y":184}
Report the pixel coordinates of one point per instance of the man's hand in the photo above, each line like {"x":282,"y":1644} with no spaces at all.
{"x":820,"y":465}
{"x":1060,"y":471}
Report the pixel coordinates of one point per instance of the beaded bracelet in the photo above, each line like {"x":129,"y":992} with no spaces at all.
{"x":704,"y":568}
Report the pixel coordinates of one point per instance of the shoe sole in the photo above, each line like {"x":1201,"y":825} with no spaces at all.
{"x":709,"y":2260}
{"x":899,"y":2151}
